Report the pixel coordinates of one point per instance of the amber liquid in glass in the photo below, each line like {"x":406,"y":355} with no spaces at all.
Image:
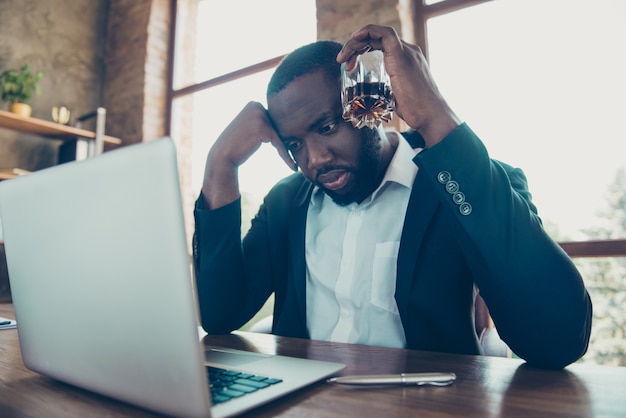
{"x":368,"y":104}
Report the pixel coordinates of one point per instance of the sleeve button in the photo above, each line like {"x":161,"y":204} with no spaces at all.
{"x":465,"y":209}
{"x":452,"y":187}
{"x":443,"y":177}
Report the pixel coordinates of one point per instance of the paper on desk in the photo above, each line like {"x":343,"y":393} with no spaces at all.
{"x":6,"y":323}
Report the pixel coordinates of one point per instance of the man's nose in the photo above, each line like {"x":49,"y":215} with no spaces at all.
{"x":318,"y":154}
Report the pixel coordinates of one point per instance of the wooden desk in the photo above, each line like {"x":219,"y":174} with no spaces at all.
{"x":485,"y":387}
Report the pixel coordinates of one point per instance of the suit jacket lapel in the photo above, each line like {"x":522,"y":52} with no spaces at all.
{"x":421,"y":208}
{"x":297,"y":228}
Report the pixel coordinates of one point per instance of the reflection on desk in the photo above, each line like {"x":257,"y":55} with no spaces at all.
{"x":485,"y":386}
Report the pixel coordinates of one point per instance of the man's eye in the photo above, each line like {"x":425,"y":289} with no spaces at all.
{"x":293,"y":146}
{"x":328,"y":128}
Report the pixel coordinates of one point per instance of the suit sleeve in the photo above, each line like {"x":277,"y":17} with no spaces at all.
{"x":230,"y":287}
{"x":534,"y":292}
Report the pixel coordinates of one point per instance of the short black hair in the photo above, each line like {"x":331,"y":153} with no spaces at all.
{"x":307,"y":59}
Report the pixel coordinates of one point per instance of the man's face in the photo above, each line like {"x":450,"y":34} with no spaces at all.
{"x":343,"y":161}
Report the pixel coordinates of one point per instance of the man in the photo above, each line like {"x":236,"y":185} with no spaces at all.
{"x":381,"y":238}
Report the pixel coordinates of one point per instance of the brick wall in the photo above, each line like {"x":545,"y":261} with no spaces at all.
{"x":338,"y":19}
{"x":135,"y":81}
{"x":156,"y":68}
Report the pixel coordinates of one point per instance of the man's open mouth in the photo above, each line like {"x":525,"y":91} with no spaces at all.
{"x":333,"y":179}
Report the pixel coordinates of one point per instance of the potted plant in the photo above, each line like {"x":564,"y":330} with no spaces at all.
{"x":17,"y":87}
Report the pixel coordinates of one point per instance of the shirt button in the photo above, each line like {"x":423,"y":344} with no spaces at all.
{"x":443,"y":177}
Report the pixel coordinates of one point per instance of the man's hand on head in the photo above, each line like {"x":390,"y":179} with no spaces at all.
{"x":418,"y":100}
{"x":238,"y":142}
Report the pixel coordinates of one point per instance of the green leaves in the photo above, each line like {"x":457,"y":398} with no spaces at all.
{"x":18,"y":86}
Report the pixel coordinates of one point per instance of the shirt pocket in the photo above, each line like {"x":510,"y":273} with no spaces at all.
{"x":384,"y":276}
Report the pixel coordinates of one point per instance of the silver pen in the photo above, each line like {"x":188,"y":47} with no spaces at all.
{"x":418,"y":379}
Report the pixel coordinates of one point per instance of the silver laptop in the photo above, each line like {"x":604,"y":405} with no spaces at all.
{"x":103,"y":290}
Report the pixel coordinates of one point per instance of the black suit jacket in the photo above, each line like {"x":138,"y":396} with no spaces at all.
{"x":470,"y":223}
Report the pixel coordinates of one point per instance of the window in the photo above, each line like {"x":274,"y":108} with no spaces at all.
{"x":218,"y":69}
{"x":544,"y":95}
{"x":542,"y":83}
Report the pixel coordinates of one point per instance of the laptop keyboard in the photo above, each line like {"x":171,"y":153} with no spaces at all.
{"x":229,"y":384}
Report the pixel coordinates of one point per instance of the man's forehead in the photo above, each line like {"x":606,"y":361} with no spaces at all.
{"x":313,"y":84}
{"x":302,"y":102}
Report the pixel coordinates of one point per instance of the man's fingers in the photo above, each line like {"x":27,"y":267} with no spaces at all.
{"x":365,"y":39}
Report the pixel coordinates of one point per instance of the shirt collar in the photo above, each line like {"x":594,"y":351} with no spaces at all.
{"x":402,"y":169}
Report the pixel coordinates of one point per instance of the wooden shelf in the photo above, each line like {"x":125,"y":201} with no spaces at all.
{"x":9,"y":173}
{"x":48,"y":129}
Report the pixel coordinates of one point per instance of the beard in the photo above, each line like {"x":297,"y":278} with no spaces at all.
{"x":367,"y":174}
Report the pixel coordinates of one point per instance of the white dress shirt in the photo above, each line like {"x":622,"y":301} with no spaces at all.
{"x":351,"y":257}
